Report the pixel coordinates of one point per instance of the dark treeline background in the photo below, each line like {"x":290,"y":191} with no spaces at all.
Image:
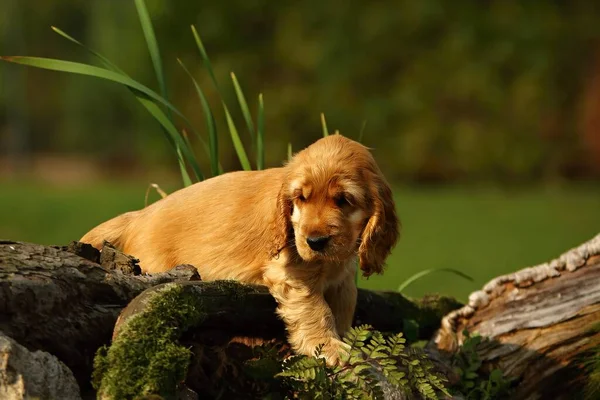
{"x":507,"y":91}
{"x":484,"y":116}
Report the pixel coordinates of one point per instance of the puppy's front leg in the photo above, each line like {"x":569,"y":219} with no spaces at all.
{"x":309,"y":321}
{"x":342,"y":301}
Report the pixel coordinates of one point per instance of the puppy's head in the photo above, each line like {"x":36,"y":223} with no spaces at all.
{"x":335,"y":204}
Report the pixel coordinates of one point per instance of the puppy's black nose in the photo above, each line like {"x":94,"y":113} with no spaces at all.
{"x":317,"y":243}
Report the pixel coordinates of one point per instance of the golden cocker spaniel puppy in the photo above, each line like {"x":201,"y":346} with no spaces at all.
{"x":300,"y":229}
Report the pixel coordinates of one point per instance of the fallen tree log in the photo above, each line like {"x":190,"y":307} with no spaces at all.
{"x":156,"y":329}
{"x":538,"y":322}
{"x":53,"y":299}
{"x":33,"y":375}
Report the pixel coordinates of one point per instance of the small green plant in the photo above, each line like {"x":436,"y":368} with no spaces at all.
{"x":373,"y":363}
{"x":590,"y":361}
{"x":474,"y":383}
{"x":410,"y":280}
{"x":592,"y":370}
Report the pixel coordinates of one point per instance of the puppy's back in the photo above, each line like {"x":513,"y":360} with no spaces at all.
{"x":220,"y":225}
{"x":113,"y":230}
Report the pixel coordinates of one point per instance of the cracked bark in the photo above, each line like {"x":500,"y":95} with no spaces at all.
{"x":53,"y":299}
{"x":539,"y":320}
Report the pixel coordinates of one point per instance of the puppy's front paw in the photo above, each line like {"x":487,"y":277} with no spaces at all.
{"x":335,"y":352}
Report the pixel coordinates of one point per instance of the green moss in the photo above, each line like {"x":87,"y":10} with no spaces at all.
{"x":146,"y":357}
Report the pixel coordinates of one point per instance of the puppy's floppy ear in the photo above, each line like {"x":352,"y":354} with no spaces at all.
{"x":281,"y":226}
{"x":382,"y":229}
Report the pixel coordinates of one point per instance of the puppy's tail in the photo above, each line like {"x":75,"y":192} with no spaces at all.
{"x":114,"y":230}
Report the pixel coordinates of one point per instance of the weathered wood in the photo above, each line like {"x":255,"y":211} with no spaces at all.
{"x":33,"y":375}
{"x":539,"y":320}
{"x":56,"y":301}
{"x":229,"y":309}
{"x":52,"y":299}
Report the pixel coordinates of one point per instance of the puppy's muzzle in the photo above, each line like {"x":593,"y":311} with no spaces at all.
{"x":317,"y":243}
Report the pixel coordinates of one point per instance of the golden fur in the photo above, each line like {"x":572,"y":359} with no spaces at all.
{"x":252,"y":226}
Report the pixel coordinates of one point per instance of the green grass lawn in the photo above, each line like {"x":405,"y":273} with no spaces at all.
{"x":481,"y":232}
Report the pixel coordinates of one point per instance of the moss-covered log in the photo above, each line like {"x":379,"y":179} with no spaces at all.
{"x":169,"y":339}
{"x":542,"y":322}
{"x":54,"y":300}
{"x":180,"y":327}
{"x":63,"y":301}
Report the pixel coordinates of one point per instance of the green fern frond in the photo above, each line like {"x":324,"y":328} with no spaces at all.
{"x":373,"y":361}
{"x":302,"y":368}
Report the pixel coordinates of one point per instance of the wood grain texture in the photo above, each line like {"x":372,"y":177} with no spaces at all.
{"x":54,"y":300}
{"x":539,"y":321}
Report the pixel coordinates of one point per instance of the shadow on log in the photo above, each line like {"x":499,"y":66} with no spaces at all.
{"x":539,"y":321}
{"x":54,"y":299}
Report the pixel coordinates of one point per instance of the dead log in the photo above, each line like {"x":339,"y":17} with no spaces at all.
{"x":539,"y":322}
{"x":37,"y":374}
{"x":194,"y":315}
{"x":55,"y":300}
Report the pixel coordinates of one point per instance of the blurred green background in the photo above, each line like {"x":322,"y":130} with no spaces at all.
{"x":485,"y":116}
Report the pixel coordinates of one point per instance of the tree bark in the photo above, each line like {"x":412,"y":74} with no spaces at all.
{"x":56,"y":301}
{"x":37,"y":374}
{"x":53,"y":299}
{"x":539,"y":322}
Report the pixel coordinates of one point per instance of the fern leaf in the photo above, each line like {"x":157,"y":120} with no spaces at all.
{"x":360,"y":368}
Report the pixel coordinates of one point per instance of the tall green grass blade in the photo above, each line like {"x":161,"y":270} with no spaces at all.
{"x":237,"y":143}
{"x":182,"y":148}
{"x":115,"y":68}
{"x":210,"y":124}
{"x":260,"y":134}
{"x":233,"y":132}
{"x":204,"y":56}
{"x":421,"y":274}
{"x":324,"y":125}
{"x":243,"y":105}
{"x":152,"y":44}
{"x":289,"y":151}
{"x":104,"y":60}
{"x":186,"y":138}
{"x":362,"y":131}
{"x":111,"y":66}
{"x":185,"y":177}
{"x":90,"y":70}
{"x":154,"y":51}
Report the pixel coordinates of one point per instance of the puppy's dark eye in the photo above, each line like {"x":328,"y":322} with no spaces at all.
{"x":301,"y":197}
{"x":341,"y":200}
